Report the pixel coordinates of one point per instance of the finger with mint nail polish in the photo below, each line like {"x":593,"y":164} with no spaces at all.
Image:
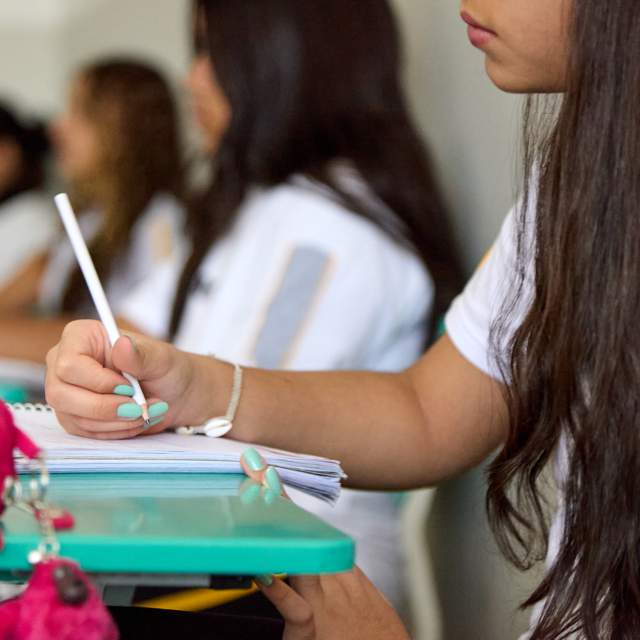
{"x":124,"y":390}
{"x":129,"y":411}
{"x":266,"y":580}
{"x":157,"y":414}
{"x":158,"y":410}
{"x":255,"y":466}
{"x":253,"y":460}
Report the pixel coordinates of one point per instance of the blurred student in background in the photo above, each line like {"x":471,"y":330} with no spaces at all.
{"x":28,"y":222}
{"x":118,"y":150}
{"x":323,"y":242}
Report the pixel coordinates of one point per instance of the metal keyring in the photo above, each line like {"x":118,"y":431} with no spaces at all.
{"x":12,"y":491}
{"x":38,"y":485}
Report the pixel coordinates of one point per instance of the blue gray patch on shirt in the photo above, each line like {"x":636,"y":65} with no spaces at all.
{"x":290,"y":306}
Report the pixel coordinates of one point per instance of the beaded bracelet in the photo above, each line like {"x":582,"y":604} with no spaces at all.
{"x":221,"y":425}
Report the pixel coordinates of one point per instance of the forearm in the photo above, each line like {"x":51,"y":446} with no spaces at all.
{"x":389,"y":430}
{"x":21,"y":293}
{"x":25,"y":338}
{"x":366,"y":420}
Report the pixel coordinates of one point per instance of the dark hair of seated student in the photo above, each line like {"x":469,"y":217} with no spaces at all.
{"x":28,"y":146}
{"x":310,"y":82}
{"x":135,"y":116}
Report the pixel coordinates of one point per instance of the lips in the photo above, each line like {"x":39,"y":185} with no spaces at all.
{"x":479,"y":36}
{"x":473,"y":23}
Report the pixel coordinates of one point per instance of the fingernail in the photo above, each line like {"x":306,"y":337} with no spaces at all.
{"x":124,"y":390}
{"x":130,"y":411}
{"x":249,"y":492}
{"x":270,"y":496}
{"x":133,"y":342}
{"x":153,"y":423}
{"x":254,"y":460}
{"x":158,"y":409}
{"x":265,"y":580}
{"x":273,"y":480}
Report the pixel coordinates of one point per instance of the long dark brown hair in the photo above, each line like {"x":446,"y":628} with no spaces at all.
{"x":574,"y":367}
{"x":311,"y":82}
{"x":134,"y":113}
{"x":33,"y":144}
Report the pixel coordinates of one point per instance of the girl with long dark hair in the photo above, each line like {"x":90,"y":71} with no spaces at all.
{"x":322,"y":241}
{"x":540,"y":358}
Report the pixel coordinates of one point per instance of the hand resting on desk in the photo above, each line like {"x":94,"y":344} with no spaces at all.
{"x":346,"y":606}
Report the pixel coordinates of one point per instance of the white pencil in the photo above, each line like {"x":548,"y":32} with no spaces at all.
{"x":95,"y":287}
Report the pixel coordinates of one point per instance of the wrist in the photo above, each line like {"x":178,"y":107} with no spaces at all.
{"x":209,"y":390}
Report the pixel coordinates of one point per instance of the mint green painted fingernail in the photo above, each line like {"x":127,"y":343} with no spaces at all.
{"x":130,"y":411}
{"x":254,"y":460}
{"x":270,"y":496}
{"x":153,"y":423}
{"x":124,"y":390}
{"x":266,"y":580}
{"x":158,"y":409}
{"x":273,"y":480}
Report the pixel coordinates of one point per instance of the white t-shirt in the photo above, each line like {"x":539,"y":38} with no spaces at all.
{"x":302,"y":283}
{"x":299,"y":282}
{"x":469,"y":321}
{"x":28,"y":226}
{"x":156,"y":237}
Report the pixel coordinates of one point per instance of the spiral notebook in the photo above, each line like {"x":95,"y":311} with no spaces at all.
{"x":167,"y":452}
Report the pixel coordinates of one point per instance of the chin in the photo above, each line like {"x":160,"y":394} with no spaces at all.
{"x":506,"y":81}
{"x":510,"y":82}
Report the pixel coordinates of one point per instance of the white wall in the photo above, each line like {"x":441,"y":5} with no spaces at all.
{"x":30,"y":74}
{"x":157,"y":30}
{"x":43,"y":41}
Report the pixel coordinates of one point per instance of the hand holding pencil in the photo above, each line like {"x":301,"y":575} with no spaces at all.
{"x":96,"y":289}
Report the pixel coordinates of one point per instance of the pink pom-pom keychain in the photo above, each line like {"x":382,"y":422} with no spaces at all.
{"x":59,"y":602}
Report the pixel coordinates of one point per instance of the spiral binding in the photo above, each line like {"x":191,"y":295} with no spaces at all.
{"x":31,"y":407}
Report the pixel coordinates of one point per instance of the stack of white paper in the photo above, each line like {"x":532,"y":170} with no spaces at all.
{"x":169,"y":453}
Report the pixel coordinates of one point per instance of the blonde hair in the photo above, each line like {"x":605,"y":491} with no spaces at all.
{"x":135,"y":116}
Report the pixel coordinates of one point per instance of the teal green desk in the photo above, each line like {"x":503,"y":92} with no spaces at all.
{"x":173,"y":525}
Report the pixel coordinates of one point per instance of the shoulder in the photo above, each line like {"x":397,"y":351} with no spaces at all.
{"x":30,"y":215}
{"x":306,"y":215}
{"x":307,"y":211}
{"x":472,"y":316}
{"x":30,"y":205}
